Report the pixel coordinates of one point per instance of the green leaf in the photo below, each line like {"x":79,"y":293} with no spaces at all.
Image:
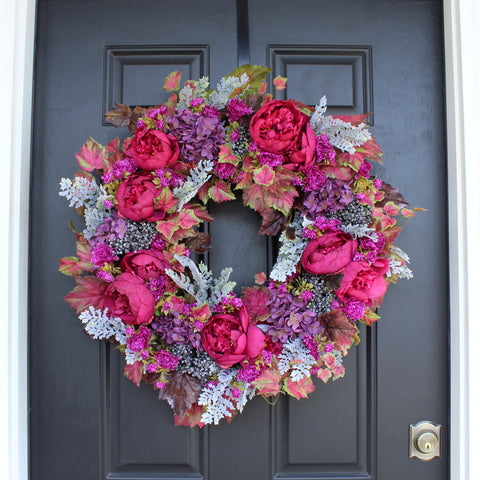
{"x":92,"y":156}
{"x":172,"y":81}
{"x":256,"y":74}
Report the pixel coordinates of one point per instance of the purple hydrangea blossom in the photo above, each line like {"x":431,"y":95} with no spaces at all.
{"x":290,"y":318}
{"x":113,"y":227}
{"x":332,"y":196}
{"x":175,"y":328}
{"x":199,"y":136}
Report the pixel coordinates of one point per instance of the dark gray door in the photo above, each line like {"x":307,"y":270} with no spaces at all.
{"x":384,"y":57}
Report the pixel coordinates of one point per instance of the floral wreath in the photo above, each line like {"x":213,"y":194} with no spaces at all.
{"x":206,"y":350}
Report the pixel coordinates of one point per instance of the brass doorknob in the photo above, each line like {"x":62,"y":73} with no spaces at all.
{"x":425,"y":440}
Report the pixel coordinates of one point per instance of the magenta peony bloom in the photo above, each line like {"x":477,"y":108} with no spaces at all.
{"x":364,"y":282}
{"x":152,"y":149}
{"x":230,"y":338}
{"x":330,"y":253}
{"x":129,"y":299}
{"x":136,"y":199}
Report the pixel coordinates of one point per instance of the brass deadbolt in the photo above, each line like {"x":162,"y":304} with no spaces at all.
{"x":425,"y":440}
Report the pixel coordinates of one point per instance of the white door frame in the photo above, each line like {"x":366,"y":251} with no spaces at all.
{"x":462,"y":64}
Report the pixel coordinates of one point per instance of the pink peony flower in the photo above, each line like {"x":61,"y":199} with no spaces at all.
{"x":231,"y":338}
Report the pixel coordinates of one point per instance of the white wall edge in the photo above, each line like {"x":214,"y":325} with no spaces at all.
{"x":462,"y":42}
{"x":462,"y":69}
{"x":17,"y":24}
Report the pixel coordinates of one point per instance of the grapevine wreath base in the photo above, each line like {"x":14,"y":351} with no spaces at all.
{"x":204,"y":349}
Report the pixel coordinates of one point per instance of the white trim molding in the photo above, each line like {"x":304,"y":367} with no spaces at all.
{"x":462,"y":77}
{"x":17,"y":29}
{"x":462,"y":81}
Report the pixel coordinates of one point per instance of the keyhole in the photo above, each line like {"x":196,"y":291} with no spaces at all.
{"x":428,"y":446}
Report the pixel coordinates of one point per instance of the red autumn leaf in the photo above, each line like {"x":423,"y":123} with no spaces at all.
{"x":324,"y":374}
{"x":113,"y":145}
{"x":200,"y":243}
{"x":119,"y":115}
{"x":221,"y":192}
{"x":407,"y":213}
{"x":338,"y":372}
{"x":369,"y":317}
{"x":191,"y":418}
{"x":355,"y":120}
{"x":255,"y":300}
{"x":172,"y":81}
{"x":339,"y":330}
{"x":299,"y":389}
{"x":134,"y":117}
{"x":225,"y":155}
{"x":255,"y":101}
{"x":340,"y":173}
{"x":264,"y":176}
{"x":268,"y":383}
{"x":391,"y":195}
{"x":166,"y":201}
{"x":89,"y":291}
{"x":391,"y":209}
{"x":260,"y":278}
{"x":83,"y":251}
{"x":71,"y":266}
{"x":91,"y":156}
{"x":168,"y":227}
{"x":181,"y":392}
{"x":253,"y":198}
{"x":272,"y":222}
{"x":171,"y":103}
{"x":280,"y":82}
{"x":134,"y":372}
